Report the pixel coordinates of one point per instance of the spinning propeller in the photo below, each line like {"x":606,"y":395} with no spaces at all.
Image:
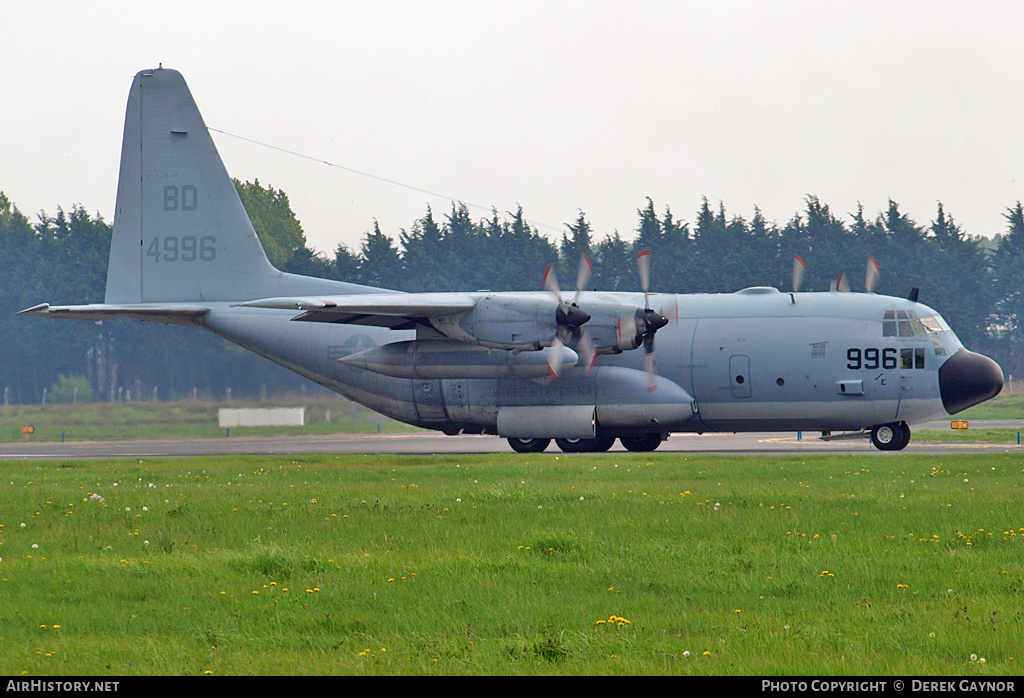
{"x":874,"y":271}
{"x":870,"y":277}
{"x":799,"y":267}
{"x":842,"y":283}
{"x":633,"y":328}
{"x":646,"y":321}
{"x":569,"y":319}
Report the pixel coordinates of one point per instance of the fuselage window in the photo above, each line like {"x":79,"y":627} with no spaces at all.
{"x":912,"y":358}
{"x":906,"y":358}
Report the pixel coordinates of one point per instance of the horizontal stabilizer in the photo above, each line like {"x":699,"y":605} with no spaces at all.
{"x":172,"y":314}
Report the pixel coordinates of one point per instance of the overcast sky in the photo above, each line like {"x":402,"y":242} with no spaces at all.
{"x":555,"y":106}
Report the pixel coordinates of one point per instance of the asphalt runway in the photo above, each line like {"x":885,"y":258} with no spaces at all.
{"x":431,"y":442}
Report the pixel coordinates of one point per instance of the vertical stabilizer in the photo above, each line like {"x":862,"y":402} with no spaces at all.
{"x":181,"y":233}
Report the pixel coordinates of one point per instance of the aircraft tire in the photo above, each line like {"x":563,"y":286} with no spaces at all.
{"x":905,"y":439}
{"x":528,"y":445}
{"x":647,"y":442}
{"x":573,"y":445}
{"x":598,"y":444}
{"x":891,"y":437}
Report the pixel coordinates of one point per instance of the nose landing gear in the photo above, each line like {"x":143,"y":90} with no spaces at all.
{"x":891,"y":437}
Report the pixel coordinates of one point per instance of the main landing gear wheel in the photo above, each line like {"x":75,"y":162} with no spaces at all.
{"x":891,"y":437}
{"x":528,"y":445}
{"x":599,"y":444}
{"x":647,"y":442}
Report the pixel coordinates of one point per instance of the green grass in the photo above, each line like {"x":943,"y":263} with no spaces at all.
{"x":1004,"y":406}
{"x":186,"y":419}
{"x":878,"y":564}
{"x":968,"y":435}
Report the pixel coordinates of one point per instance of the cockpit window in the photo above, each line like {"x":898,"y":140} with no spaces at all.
{"x":889,"y":324}
{"x":905,"y":323}
{"x":934,"y":323}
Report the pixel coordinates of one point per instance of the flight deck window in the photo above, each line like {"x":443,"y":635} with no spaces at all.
{"x":904,"y":324}
{"x":889,"y":324}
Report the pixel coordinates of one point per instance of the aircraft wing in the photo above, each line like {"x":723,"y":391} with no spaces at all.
{"x":175,"y":314}
{"x":394,"y":310}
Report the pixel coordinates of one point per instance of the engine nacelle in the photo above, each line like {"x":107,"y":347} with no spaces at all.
{"x":614,"y":327}
{"x":504,"y":321}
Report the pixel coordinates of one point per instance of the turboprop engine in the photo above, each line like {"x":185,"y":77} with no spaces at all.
{"x":511,"y":321}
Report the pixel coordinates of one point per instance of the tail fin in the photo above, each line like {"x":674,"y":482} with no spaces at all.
{"x":180,"y":231}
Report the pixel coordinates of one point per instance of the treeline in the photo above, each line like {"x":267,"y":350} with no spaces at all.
{"x":975,"y":282}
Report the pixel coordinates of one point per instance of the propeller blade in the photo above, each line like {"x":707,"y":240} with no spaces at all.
{"x":651,"y":369}
{"x":799,"y":267}
{"x":583,"y":275}
{"x":550,"y":282}
{"x":874,"y":271}
{"x":566,"y":315}
{"x":587,"y":351}
{"x":671,"y":310}
{"x":624,"y":328}
{"x":842,"y":283}
{"x":554,"y":361}
{"x":643,"y":263}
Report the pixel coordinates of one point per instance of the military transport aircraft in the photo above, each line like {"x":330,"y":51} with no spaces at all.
{"x":529,"y":366}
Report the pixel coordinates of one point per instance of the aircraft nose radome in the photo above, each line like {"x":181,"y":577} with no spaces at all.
{"x":967,"y":379}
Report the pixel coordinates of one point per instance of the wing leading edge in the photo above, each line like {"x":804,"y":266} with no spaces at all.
{"x":172,"y":314}
{"x":394,"y":310}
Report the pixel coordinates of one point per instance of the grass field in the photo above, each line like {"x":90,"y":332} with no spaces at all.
{"x":1004,"y":406}
{"x":881,"y":564}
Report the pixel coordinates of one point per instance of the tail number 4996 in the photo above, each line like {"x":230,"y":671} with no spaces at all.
{"x":187,"y":248}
